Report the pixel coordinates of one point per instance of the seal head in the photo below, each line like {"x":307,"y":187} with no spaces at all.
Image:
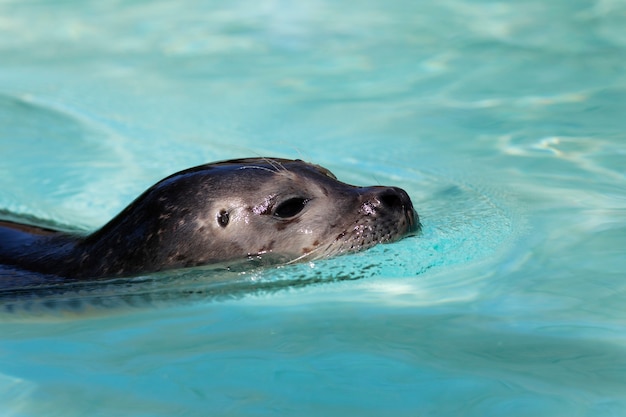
{"x":280,"y":209}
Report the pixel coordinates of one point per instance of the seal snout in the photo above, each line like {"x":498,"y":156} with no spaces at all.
{"x":396,"y":200}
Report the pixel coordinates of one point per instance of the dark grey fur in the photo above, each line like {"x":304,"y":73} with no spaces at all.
{"x":231,"y":210}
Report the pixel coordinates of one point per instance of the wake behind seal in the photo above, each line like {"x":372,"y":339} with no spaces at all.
{"x":286,"y":210}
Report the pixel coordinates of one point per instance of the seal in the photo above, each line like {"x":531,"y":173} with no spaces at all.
{"x":255,"y":208}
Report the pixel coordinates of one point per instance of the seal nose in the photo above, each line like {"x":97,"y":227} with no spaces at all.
{"x":396,"y":199}
{"x":393,"y":198}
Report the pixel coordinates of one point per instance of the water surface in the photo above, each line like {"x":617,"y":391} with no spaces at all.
{"x":503,"y":121}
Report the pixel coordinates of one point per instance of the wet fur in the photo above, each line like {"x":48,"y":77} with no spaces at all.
{"x":174,"y":223}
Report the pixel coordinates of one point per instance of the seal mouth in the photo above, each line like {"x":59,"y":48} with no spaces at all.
{"x":413,"y":222}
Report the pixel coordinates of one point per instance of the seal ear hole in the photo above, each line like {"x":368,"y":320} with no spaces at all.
{"x":291,"y":207}
{"x":223,"y":218}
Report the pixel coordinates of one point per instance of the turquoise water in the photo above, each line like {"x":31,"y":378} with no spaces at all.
{"x":503,"y":120}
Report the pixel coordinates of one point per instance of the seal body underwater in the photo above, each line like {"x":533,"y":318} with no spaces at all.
{"x":287,"y":210}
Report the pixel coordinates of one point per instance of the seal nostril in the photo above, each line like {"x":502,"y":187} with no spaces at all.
{"x":390,"y":198}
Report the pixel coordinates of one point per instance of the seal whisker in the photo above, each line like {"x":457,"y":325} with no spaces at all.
{"x":301,"y":257}
{"x":274,"y":163}
{"x":312,"y":252}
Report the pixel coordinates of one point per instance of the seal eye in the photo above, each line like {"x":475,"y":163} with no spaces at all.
{"x":223,"y":218}
{"x":290,"y":208}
